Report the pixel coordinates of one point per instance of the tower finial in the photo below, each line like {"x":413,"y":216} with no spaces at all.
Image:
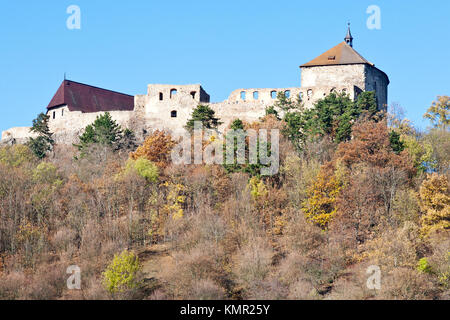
{"x":348,"y":38}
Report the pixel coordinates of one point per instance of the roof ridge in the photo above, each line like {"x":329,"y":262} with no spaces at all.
{"x":95,"y":87}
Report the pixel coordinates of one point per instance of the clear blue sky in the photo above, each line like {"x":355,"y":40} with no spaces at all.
{"x":224,"y":45}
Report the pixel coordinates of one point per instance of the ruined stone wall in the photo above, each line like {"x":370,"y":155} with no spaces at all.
{"x":17,"y":135}
{"x":168,"y":107}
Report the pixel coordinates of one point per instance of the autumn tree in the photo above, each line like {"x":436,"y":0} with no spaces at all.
{"x":435,"y":203}
{"x":320,"y":206}
{"x":439,"y":112}
{"x":156,"y":148}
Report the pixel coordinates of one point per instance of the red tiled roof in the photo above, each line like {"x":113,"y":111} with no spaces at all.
{"x":85,"y":98}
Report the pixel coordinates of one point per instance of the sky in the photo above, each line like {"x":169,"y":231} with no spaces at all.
{"x":223,"y":45}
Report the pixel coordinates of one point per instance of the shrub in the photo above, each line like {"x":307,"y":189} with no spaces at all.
{"x":424,"y":266}
{"x":122,"y":273}
{"x":144,"y":168}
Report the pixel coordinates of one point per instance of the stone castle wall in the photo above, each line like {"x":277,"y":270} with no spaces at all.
{"x":169,"y":107}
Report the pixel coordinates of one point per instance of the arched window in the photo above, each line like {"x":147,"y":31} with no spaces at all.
{"x":333,"y":90}
{"x":256,"y":95}
{"x":309,"y":93}
{"x":287,"y":93}
{"x":300,"y":96}
{"x":173,"y":92}
{"x":173,"y":114}
{"x":273,"y":94}
{"x":161,"y":96}
{"x":242,"y":95}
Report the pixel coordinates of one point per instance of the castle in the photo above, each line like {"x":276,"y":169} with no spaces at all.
{"x":76,"y":105}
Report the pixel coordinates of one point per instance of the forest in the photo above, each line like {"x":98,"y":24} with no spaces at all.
{"x":357,"y":190}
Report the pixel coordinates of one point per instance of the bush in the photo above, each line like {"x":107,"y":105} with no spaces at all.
{"x":144,"y":168}
{"x":122,"y":273}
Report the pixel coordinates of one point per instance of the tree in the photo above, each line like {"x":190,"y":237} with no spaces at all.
{"x":205,"y":115}
{"x":335,"y":114}
{"x":396,"y":144}
{"x":128,"y":141}
{"x":320,"y":206}
{"x":367,"y":103}
{"x":122,"y":273}
{"x":143,"y":168}
{"x":105,"y":131}
{"x":44,"y":141}
{"x":156,"y":148}
{"x":439,"y":112}
{"x":435,"y":203}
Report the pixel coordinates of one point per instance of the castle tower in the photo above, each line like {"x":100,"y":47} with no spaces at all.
{"x":343,"y":69}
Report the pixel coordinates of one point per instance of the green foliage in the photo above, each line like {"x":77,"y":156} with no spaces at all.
{"x":127,"y":141}
{"x":421,"y":152}
{"x":46,"y":172}
{"x":44,"y":142}
{"x":396,"y":144}
{"x":287,"y":104}
{"x":424,"y":266}
{"x":367,"y":103}
{"x":237,"y":125}
{"x":333,"y":115}
{"x":122,"y":273}
{"x":105,"y":131}
{"x":144,"y":168}
{"x":294,"y":130}
{"x":205,"y":115}
{"x":40,"y":125}
{"x":271,"y":111}
{"x":16,"y":155}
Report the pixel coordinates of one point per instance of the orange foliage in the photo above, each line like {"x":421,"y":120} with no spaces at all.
{"x":156,"y":148}
{"x":371,"y":145}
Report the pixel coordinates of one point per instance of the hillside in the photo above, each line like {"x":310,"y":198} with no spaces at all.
{"x":358,"y":194}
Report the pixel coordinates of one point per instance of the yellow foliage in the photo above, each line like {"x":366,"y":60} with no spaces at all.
{"x":175,"y":201}
{"x":258,"y":189}
{"x":435,"y":203}
{"x":320,"y":206}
